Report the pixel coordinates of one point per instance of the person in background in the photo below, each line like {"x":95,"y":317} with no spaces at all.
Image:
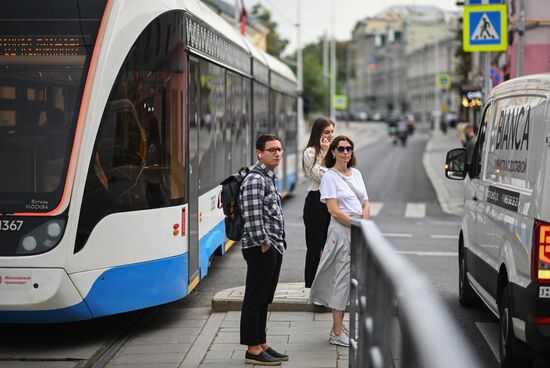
{"x":469,"y":140}
{"x":263,"y":244}
{"x":343,"y":190}
{"x":316,"y":216}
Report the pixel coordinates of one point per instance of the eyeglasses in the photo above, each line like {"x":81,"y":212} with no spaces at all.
{"x":342,"y":148}
{"x":273,"y":150}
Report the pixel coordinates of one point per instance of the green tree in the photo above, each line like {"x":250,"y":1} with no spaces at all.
{"x":315,"y":87}
{"x":275,"y":43}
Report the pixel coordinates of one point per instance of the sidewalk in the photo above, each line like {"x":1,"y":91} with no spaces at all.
{"x":208,"y":337}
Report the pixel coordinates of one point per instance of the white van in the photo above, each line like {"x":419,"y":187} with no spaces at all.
{"x":504,"y":242}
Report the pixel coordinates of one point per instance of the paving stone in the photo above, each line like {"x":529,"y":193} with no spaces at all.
{"x":151,"y":358}
{"x":227,"y":347}
{"x":160,"y":348}
{"x":155,"y":340}
{"x":289,"y":316}
{"x":148,"y":365}
{"x":219,"y":354}
{"x":232,"y":316}
{"x":14,"y":364}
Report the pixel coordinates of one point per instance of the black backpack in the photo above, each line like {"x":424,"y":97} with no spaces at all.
{"x":234,"y":223}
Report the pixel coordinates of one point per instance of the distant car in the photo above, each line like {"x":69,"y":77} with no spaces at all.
{"x":362,"y":116}
{"x":376,"y":116}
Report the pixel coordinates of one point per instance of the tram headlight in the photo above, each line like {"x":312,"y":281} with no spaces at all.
{"x":42,"y":238}
{"x":29,"y":243}
{"x":54,"y":229}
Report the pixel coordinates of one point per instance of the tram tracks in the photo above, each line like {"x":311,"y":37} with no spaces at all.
{"x":108,"y":350}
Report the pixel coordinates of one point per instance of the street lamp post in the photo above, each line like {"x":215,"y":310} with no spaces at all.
{"x":332,"y":63}
{"x":437,"y":112}
{"x":299,"y":61}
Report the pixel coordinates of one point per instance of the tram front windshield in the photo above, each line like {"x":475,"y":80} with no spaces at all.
{"x":43,"y":68}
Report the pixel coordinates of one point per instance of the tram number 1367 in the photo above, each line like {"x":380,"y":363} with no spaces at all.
{"x":7,"y":225}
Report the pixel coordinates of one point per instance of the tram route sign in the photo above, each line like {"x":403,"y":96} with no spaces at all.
{"x":485,"y":28}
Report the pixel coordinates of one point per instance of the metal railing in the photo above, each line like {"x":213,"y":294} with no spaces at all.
{"x":396,"y":319}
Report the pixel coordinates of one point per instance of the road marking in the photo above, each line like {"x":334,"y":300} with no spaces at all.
{"x":427,"y":253}
{"x":397,"y":235}
{"x":375,"y":208}
{"x":489,"y":331}
{"x":436,"y":236}
{"x":415,"y":210}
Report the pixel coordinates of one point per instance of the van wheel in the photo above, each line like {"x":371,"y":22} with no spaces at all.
{"x":467,"y":297}
{"x":509,"y":357}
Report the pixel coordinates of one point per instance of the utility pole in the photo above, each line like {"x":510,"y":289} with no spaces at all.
{"x":326,"y":75}
{"x":348,"y":89}
{"x":332,"y":64}
{"x":437,"y":112}
{"x":521,"y":41}
{"x":237,"y":13}
{"x":299,"y":67}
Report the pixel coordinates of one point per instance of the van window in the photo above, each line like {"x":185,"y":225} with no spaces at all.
{"x":477,"y":156}
{"x":516,"y":120}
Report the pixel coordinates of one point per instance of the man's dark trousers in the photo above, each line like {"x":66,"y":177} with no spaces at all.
{"x":262,"y":276}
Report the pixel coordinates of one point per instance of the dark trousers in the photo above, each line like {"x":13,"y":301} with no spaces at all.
{"x":262,"y":276}
{"x":316,"y":221}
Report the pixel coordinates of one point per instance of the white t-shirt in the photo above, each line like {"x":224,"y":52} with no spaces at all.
{"x":333,"y":186}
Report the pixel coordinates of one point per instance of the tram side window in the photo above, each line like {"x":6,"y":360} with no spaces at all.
{"x":290,"y":119}
{"x":230,"y":136}
{"x":237,"y":141}
{"x":244,"y":142}
{"x":276,"y":117}
{"x":260,"y":110}
{"x":138,"y":158}
{"x":212,"y":155}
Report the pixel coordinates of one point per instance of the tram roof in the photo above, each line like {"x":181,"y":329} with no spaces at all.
{"x":215,"y":21}
{"x":277,"y":66}
{"x":256,"y":52}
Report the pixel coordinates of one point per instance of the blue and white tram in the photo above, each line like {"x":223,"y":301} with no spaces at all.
{"x":118,"y":121}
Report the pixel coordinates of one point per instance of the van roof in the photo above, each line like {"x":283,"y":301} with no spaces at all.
{"x":532,"y":82}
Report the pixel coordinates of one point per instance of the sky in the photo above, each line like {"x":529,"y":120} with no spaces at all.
{"x":317,"y":19}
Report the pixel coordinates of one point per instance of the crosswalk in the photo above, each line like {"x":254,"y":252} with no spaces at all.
{"x":416,"y":210}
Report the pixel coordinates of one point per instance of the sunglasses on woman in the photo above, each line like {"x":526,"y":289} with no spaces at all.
{"x":342,"y":148}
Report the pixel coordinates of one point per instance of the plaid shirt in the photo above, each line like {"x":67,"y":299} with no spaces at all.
{"x":261,"y":210}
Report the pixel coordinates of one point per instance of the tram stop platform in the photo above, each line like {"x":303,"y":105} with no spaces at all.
{"x":208,"y":337}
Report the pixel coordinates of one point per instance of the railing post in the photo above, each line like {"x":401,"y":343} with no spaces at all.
{"x":392,"y":316}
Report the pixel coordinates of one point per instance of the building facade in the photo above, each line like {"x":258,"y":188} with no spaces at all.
{"x":395,"y":68}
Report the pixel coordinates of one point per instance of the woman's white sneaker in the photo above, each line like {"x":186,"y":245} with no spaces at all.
{"x":340,"y":340}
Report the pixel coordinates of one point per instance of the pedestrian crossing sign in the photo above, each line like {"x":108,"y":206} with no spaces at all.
{"x":485,"y":28}
{"x":340,"y":102}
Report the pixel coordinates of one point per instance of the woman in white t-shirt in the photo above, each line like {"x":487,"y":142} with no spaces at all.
{"x":316,"y":216}
{"x":343,"y":191}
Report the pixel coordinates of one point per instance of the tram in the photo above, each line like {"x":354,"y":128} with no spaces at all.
{"x":118,"y":121}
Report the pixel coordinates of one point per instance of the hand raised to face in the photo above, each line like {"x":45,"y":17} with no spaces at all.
{"x":325,"y":143}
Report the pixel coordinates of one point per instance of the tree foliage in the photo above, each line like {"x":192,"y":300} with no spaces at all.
{"x":316,"y":87}
{"x":275,"y":43}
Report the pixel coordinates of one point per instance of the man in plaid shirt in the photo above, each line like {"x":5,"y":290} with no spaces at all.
{"x":263,"y":244}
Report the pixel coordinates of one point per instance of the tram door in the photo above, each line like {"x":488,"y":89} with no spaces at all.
{"x":192,"y":171}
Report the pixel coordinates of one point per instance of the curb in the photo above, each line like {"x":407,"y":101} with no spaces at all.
{"x":449,"y":194}
{"x":289,"y":297}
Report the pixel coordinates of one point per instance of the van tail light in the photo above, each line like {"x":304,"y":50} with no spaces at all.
{"x":540,"y":268}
